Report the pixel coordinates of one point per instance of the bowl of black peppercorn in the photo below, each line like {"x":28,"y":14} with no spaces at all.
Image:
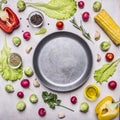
{"x":36,"y":19}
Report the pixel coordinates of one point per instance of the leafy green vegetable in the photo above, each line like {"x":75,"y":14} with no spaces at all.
{"x":9,"y":88}
{"x":33,"y":98}
{"x":105,"y":45}
{"x":7,"y":72}
{"x":16,"y":41}
{"x":1,"y":2}
{"x":52,"y":100}
{"x":84,"y":107}
{"x":21,"y":5}
{"x":97,"y":6}
{"x":28,"y":71}
{"x":41,"y":31}
{"x":21,"y":106}
{"x":106,"y":71}
{"x":58,"y":9}
{"x":85,"y":34}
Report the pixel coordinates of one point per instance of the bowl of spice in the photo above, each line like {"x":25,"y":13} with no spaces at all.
{"x":36,"y":19}
{"x":14,"y":60}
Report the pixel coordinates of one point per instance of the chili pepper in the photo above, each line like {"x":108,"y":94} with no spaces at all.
{"x":9,"y":21}
{"x":105,"y":111}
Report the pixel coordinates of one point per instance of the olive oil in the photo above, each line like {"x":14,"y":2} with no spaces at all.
{"x":92,"y":92}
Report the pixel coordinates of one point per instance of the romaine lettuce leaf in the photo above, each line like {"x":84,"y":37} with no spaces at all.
{"x":58,"y":9}
{"x":106,"y":71}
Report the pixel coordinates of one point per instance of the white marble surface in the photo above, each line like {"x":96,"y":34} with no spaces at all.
{"x":8,"y":101}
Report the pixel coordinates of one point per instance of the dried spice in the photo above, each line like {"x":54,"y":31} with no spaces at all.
{"x":14,"y":60}
{"x":36,"y":19}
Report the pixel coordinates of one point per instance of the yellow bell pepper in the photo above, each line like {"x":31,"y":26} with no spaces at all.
{"x":105,"y":111}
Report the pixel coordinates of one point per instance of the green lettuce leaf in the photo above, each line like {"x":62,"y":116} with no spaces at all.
{"x":6,"y":72}
{"x":58,"y":9}
{"x":106,"y":71}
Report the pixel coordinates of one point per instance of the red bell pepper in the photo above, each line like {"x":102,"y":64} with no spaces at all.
{"x":10,"y":22}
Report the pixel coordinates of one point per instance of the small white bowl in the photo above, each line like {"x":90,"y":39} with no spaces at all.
{"x":14,"y":64}
{"x":36,"y":19}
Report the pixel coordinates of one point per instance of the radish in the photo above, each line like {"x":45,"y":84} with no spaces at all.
{"x":20,"y":94}
{"x":26,"y":36}
{"x":25,"y":83}
{"x":42,"y":112}
{"x":73,"y":99}
{"x":112,"y":84}
{"x":85,"y":16}
{"x":81,"y":4}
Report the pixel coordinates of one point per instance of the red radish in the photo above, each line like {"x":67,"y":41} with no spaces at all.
{"x":112,"y":84}
{"x":73,"y":99}
{"x":85,"y":16}
{"x":42,"y":112}
{"x":26,"y":35}
{"x":81,"y":4}
{"x":20,"y":94}
{"x":25,"y":83}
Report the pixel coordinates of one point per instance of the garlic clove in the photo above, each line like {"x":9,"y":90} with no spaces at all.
{"x":98,"y":58}
{"x":61,"y":115}
{"x":28,"y":49}
{"x":36,"y":83}
{"x":97,"y":35}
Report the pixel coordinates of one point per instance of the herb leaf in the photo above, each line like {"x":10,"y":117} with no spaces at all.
{"x":52,"y":100}
{"x":81,"y":28}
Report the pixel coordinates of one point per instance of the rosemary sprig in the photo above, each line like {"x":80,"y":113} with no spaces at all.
{"x":81,"y":28}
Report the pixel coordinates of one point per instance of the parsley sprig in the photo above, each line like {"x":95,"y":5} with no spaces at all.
{"x":81,"y":28}
{"x":52,"y":100}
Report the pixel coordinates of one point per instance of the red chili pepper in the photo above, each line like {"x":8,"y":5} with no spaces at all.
{"x":11,"y":23}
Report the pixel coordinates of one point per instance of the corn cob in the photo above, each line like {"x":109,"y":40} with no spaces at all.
{"x":105,"y":21}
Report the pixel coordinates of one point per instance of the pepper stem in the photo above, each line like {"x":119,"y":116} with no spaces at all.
{"x":114,"y":105}
{"x":66,"y":108}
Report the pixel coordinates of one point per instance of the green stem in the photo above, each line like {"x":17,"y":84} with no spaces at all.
{"x":115,"y":104}
{"x":66,"y":108}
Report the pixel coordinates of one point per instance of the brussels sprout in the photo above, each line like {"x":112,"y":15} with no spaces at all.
{"x":33,"y":98}
{"x":97,"y":6}
{"x":21,"y":5}
{"x":21,"y":106}
{"x":16,"y":40}
{"x":105,"y":45}
{"x":9,"y":88}
{"x":28,"y":71}
{"x":84,"y":107}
